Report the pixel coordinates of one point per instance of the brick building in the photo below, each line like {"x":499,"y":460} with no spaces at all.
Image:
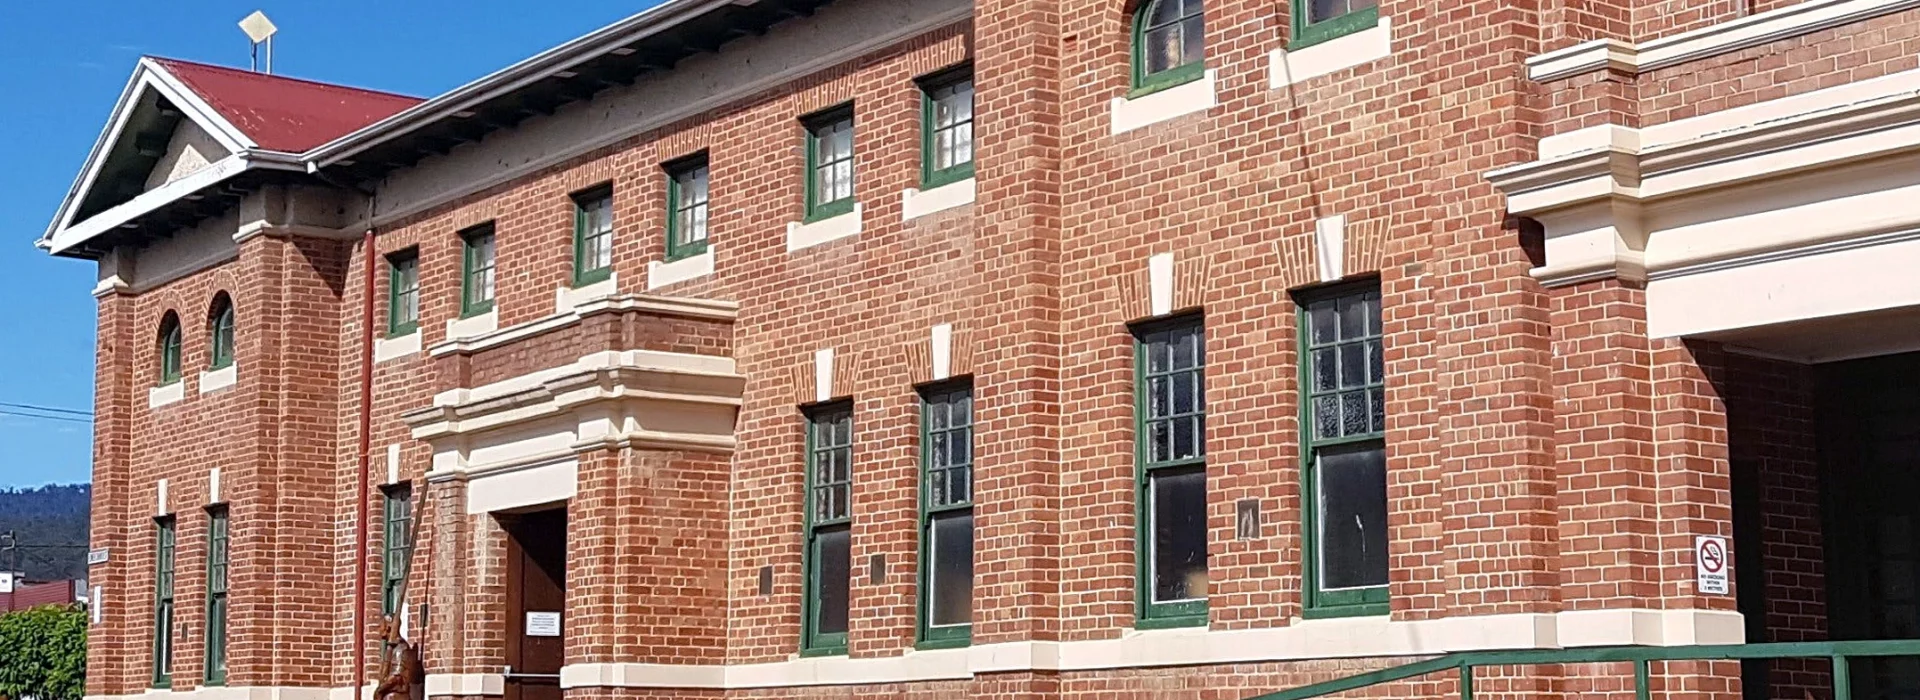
{"x":1035,"y":348}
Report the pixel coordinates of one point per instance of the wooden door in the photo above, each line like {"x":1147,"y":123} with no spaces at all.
{"x":536,"y":604}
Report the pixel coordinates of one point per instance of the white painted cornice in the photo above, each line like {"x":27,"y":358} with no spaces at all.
{"x":683,"y":307}
{"x":1706,"y":42}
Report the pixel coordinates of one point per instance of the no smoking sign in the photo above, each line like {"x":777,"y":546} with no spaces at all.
{"x":1710,"y":564}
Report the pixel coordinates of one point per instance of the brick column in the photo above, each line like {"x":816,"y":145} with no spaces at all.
{"x":1495,"y":406}
{"x":110,"y":670}
{"x":286,"y":494}
{"x":1604,"y":415}
{"x":646,"y":534}
{"x":1695,"y":495}
{"x":445,"y":645}
{"x":1017,"y":220}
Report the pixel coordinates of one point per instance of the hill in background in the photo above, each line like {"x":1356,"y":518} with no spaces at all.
{"x":50,"y":525}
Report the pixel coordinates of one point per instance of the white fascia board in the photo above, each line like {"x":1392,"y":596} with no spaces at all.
{"x":66,"y":238}
{"x":147,"y":75}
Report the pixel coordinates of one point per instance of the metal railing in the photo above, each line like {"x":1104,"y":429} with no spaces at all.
{"x":1641,"y":657}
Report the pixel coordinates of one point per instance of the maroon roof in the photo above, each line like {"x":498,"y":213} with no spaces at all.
{"x":281,"y":113}
{"x":32,"y":595}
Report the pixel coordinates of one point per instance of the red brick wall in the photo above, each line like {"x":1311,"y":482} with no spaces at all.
{"x":1543,"y":454}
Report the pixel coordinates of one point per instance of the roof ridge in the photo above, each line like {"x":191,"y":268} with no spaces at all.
{"x":164,"y":60}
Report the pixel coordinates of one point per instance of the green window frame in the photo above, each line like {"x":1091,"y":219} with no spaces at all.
{"x":163,"y":579}
{"x":218,"y":552}
{"x":396,"y":544}
{"x":593,"y":235}
{"x":946,"y":127}
{"x":946,"y":515}
{"x":687,"y":193}
{"x":1169,"y":44}
{"x":1170,"y":489}
{"x":403,"y":293}
{"x":1317,"y":21}
{"x":1343,"y":419}
{"x":828,"y":556}
{"x":476,"y":270}
{"x":830,"y":171}
{"x":220,"y":333}
{"x":169,"y":348}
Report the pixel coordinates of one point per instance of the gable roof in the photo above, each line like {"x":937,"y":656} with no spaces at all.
{"x":278,"y":113}
{"x":261,"y":121}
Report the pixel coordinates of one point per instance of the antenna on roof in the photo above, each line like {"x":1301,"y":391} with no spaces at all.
{"x":260,"y":30}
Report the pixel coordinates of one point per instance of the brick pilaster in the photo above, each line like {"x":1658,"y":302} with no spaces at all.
{"x":110,"y":661}
{"x":647,"y":526}
{"x":1017,"y":215}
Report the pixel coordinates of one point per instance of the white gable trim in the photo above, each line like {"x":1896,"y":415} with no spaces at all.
{"x":147,"y":75}
{"x":67,"y":237}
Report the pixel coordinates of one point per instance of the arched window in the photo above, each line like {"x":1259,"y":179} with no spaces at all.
{"x":1169,"y":43}
{"x":169,"y":348}
{"x":220,"y":332}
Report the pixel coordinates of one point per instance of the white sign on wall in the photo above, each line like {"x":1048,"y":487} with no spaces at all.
{"x":1710,"y":564}
{"x":543,"y":624}
{"x":96,"y":557}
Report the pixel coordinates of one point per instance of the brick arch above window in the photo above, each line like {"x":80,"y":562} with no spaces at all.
{"x":222,"y":320}
{"x":169,"y":343}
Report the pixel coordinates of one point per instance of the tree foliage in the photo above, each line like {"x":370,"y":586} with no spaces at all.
{"x":43,"y":653}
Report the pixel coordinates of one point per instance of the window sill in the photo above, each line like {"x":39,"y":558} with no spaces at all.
{"x":807,"y":235}
{"x":169,"y":393}
{"x":823,"y":651}
{"x":663,"y":273}
{"x":567,"y":298}
{"x":469,"y":326}
{"x":1163,"y":623}
{"x":933,"y":644}
{"x":917,"y":203}
{"x":385,"y":349}
{"x":1355,"y":610}
{"x":1331,"y":56}
{"x":1164,"y":105}
{"x":217,"y":379}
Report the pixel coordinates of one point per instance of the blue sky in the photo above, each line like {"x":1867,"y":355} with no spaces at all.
{"x":62,"y":64}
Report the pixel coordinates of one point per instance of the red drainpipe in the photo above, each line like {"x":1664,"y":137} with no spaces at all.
{"x":361,"y":490}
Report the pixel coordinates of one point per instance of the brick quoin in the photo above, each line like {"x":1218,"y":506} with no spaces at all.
{"x":1547,"y":458}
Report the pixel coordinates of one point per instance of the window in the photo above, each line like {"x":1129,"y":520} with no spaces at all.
{"x":396,"y":516}
{"x":1315,"y":21}
{"x":1169,"y":44}
{"x":687,"y":208}
{"x":1344,"y":412}
{"x":220,"y":332}
{"x":217,"y":595}
{"x":829,"y":552}
{"x":830,"y":163}
{"x":403,"y":293}
{"x":946,"y":521}
{"x":592,"y":236}
{"x":476,"y":270}
{"x":169,"y":347}
{"x":1171,"y":424}
{"x":946,"y":129}
{"x":163,"y":605}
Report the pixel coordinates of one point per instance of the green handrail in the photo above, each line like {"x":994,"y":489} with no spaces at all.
{"x":1640,"y":656}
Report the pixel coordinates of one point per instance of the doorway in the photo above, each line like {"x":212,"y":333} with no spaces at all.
{"x":536,"y":603}
{"x":1869,"y":423}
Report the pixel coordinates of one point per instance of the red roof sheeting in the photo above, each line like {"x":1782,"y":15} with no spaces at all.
{"x":281,"y":113}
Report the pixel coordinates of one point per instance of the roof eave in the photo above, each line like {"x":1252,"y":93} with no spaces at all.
{"x":66,"y":241}
{"x":540,"y":66}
